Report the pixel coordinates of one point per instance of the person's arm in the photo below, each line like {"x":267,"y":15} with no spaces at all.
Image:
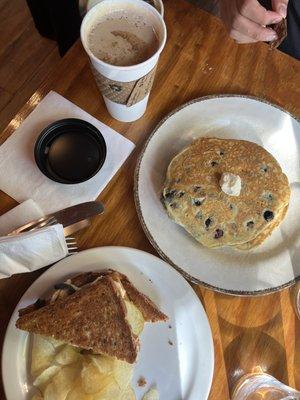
{"x":247,"y":20}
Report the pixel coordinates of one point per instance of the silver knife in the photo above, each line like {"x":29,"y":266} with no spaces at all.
{"x":78,"y":226}
{"x":66,"y":217}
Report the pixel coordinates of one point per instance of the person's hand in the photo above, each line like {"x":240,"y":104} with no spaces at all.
{"x":280,"y":6}
{"x":246,"y":20}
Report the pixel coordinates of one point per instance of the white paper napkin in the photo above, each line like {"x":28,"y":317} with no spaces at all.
{"x":32,"y":250}
{"x":20,"y":177}
{"x":20,"y":215}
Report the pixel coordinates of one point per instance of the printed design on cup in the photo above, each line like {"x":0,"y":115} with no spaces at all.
{"x":127,"y":93}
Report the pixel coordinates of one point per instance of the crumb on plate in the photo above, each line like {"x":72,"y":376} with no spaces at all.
{"x":142,"y":382}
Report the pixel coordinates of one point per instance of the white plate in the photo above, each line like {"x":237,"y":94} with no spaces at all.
{"x":270,"y":267}
{"x":180,"y":371}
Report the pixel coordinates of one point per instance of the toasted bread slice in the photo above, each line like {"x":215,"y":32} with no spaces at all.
{"x":149,"y":310}
{"x":93,"y":318}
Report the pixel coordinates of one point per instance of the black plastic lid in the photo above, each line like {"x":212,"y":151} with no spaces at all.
{"x":70,"y":151}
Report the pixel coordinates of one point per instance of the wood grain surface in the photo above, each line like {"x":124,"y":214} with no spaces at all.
{"x":25,"y":58}
{"x":199,"y":59}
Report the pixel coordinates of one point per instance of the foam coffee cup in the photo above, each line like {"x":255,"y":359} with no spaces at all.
{"x":125,"y":89}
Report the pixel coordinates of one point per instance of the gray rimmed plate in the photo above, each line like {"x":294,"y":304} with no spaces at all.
{"x":272,"y":266}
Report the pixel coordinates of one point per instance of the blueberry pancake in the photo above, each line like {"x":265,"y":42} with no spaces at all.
{"x":226,"y":192}
{"x":264,"y":234}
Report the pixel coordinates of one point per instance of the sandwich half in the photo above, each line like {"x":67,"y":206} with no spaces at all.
{"x":89,"y":311}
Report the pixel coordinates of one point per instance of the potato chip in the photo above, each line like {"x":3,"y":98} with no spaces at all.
{"x":37,"y":396}
{"x":55,"y":343}
{"x":53,"y":393}
{"x":110,"y":392}
{"x":92,"y":380}
{"x":76,"y":376}
{"x":104,"y":364}
{"x":77,"y":393}
{"x":135,"y":318}
{"x":68,"y":355}
{"x":42,"y":380}
{"x":67,"y":375}
{"x":62,"y":383}
{"x":128,"y":394}
{"x":42,"y":354}
{"x":151,"y":395}
{"x":122,"y":373}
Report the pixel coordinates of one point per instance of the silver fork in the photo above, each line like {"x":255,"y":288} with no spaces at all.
{"x":72,"y":245}
{"x":71,"y":241}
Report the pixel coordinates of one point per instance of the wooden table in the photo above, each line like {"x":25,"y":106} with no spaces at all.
{"x":199,"y":59}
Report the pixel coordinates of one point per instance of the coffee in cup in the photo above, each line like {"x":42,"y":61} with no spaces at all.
{"x":122,"y":39}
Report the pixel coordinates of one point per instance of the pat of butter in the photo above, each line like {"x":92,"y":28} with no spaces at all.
{"x":231,"y":184}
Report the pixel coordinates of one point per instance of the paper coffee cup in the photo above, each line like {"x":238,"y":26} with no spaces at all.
{"x":125,"y":89}
{"x":158,"y":4}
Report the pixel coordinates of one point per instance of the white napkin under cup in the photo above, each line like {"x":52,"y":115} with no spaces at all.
{"x":20,"y":177}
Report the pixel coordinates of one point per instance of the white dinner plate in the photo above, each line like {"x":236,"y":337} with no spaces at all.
{"x":176,"y":356}
{"x":273,"y":265}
